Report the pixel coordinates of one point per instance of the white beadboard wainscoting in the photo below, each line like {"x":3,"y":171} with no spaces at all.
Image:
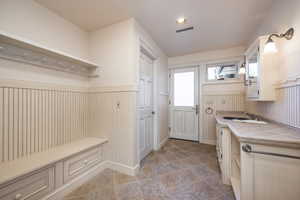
{"x":36,"y":119}
{"x":286,"y":108}
{"x":112,"y":116}
{"x":219,"y":96}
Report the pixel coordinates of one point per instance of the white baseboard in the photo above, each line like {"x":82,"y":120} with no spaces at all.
{"x":208,"y":141}
{"x":125,"y":169}
{"x":162,"y":143}
{"x":76,"y":182}
{"x":67,"y":188}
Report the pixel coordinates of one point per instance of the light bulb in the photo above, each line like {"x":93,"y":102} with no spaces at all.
{"x":270,"y":47}
{"x":242,"y":70}
{"x":181,"y":20}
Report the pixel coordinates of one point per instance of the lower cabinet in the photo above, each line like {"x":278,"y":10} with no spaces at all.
{"x":256,"y":171}
{"x":223,"y":148}
{"x":78,"y":164}
{"x":33,"y":187}
{"x":38,"y":184}
{"x":269,"y":173}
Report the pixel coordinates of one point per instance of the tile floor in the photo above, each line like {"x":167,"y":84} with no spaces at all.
{"x":181,"y":170}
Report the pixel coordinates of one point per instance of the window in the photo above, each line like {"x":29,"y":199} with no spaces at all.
{"x":184,"y":89}
{"x":253,"y":70}
{"x":222,"y":71}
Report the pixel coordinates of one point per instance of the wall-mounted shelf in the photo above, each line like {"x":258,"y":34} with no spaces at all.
{"x":21,"y":50}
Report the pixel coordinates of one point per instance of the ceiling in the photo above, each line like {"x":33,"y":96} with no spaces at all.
{"x":217,"y":24}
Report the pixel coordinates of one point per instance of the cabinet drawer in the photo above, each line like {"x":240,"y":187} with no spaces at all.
{"x":32,"y":187}
{"x":79,"y":163}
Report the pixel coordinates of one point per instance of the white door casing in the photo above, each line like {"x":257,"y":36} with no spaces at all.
{"x":145,"y":106}
{"x":184,"y":107}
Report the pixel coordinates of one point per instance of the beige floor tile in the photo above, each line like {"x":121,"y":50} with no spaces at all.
{"x":181,"y":170}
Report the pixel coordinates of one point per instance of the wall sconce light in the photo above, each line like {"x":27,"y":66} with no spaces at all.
{"x":270,"y":46}
{"x":242,"y":68}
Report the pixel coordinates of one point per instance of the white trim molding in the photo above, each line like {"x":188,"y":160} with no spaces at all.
{"x":76,"y":182}
{"x":290,"y":82}
{"x":207,"y":141}
{"x":25,"y":84}
{"x":222,"y":93}
{"x":119,"y":88}
{"x":162,"y":143}
{"x":125,"y":169}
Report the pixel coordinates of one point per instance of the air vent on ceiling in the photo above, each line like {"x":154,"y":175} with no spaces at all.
{"x":184,"y":29}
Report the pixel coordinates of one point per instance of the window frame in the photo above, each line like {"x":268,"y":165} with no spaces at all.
{"x":210,"y":65}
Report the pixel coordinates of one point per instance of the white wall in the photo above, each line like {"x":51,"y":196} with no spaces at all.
{"x":205,"y":56}
{"x":112,"y":48}
{"x":282,"y":15}
{"x":27,"y":19}
{"x":117,"y":49}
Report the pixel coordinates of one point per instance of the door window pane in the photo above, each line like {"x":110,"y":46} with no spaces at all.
{"x":184,"y":89}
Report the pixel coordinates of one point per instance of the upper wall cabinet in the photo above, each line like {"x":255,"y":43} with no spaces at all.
{"x":261,"y":72}
{"x":20,"y":50}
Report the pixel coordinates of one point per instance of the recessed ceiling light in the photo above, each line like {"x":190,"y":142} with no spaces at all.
{"x":181,"y":20}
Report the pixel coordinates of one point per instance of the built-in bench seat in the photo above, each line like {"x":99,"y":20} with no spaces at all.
{"x":39,"y":174}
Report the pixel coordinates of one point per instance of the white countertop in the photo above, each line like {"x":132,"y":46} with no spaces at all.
{"x":269,"y":134}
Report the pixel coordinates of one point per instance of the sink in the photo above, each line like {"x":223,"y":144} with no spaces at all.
{"x":236,"y":118}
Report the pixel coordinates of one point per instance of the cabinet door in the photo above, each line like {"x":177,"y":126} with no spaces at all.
{"x":267,"y":177}
{"x":252,"y":73}
{"x":33,"y":187}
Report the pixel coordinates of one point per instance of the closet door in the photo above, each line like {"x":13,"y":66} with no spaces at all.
{"x":145,"y":106}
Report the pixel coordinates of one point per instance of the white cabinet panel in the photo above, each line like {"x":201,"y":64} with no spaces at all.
{"x":276,"y":178}
{"x":270,"y":177}
{"x":80,"y":163}
{"x":33,"y":187}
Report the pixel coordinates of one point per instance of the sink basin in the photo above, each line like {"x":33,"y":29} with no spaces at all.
{"x":236,"y":118}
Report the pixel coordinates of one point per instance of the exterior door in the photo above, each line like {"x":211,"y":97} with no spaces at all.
{"x":145,"y":106}
{"x":184,"y":104}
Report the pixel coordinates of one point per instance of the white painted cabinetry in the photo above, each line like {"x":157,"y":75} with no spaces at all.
{"x":261,"y":72}
{"x":224,"y":152}
{"x":258,"y":172}
{"x":269,"y":177}
{"x":80,"y":163}
{"x":33,"y":187}
{"x":42,"y":175}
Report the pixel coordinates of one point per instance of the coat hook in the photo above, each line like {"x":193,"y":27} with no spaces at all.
{"x":118,"y":104}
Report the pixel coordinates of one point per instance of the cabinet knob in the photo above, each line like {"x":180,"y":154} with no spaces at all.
{"x":247,"y":148}
{"x":18,"y":196}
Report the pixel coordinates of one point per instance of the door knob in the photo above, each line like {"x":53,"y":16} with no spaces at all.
{"x":153,"y":112}
{"x":197,"y":109}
